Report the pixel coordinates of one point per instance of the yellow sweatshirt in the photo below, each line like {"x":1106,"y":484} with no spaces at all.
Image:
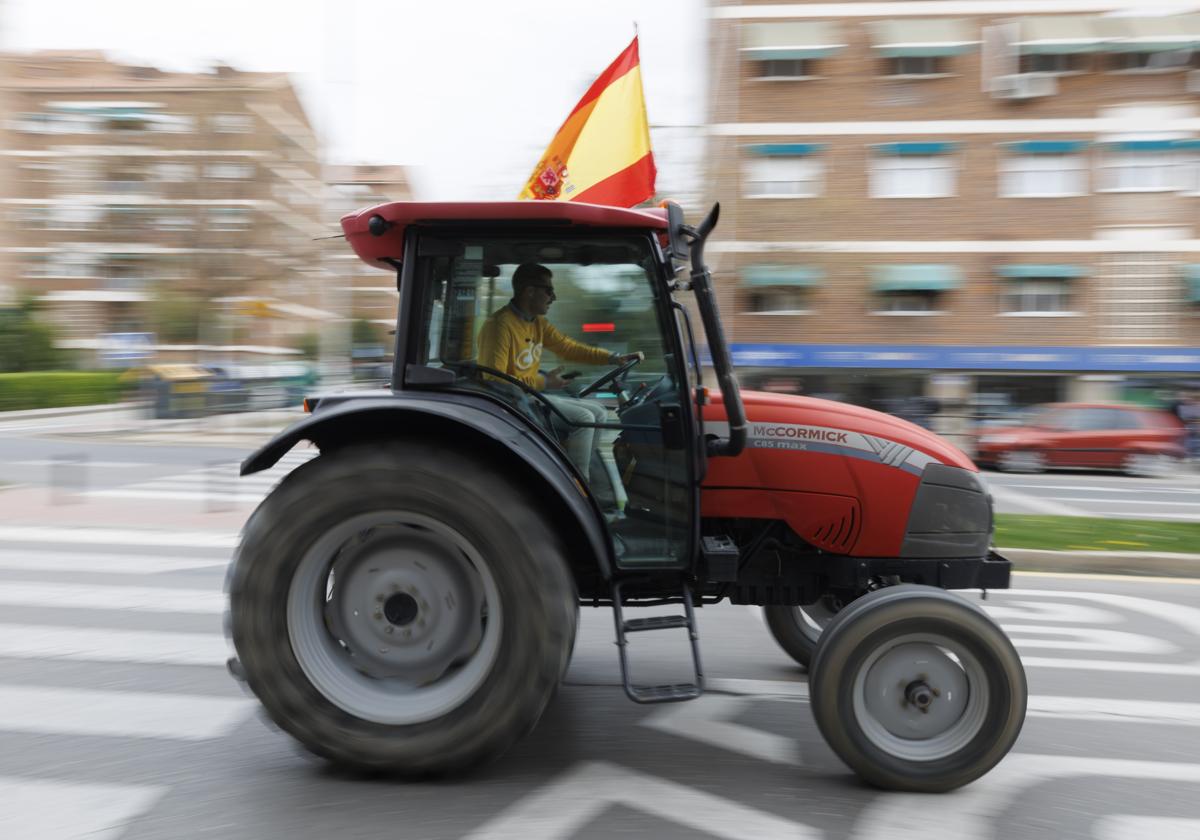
{"x":512,"y":344}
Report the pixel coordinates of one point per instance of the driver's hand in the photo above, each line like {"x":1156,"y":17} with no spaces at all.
{"x":553,"y":380}
{"x":628,"y":357}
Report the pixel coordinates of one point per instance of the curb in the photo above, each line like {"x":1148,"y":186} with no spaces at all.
{"x":68,"y":411}
{"x":1153,"y":563}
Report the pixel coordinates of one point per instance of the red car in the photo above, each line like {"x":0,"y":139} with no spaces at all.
{"x":1133,"y":439}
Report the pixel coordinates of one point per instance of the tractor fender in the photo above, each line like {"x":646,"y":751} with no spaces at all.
{"x":477,"y":422}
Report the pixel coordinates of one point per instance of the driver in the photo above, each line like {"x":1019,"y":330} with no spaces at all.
{"x":512,"y":340}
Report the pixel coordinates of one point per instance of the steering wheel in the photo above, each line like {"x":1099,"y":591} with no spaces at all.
{"x":615,"y":373}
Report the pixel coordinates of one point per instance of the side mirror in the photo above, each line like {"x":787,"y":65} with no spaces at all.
{"x":680,"y":245}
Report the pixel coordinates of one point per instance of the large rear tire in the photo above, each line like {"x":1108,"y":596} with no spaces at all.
{"x":916,"y":689}
{"x":402,"y":608}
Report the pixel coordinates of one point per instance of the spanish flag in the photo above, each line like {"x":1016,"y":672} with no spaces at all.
{"x":601,"y":154}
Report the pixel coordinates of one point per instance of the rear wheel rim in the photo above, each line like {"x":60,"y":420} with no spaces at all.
{"x":812,"y":619}
{"x":902,"y":673}
{"x":394,"y":617}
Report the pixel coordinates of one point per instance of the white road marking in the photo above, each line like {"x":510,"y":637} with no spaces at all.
{"x":93,"y":644}
{"x":1131,"y":827}
{"x":562,"y":807}
{"x":179,"y":495}
{"x":44,"y":810}
{"x":707,"y":720}
{"x":1128,"y":502}
{"x":114,"y":536}
{"x":1032,"y":504}
{"x":50,"y":462}
{"x":109,"y":564}
{"x":63,"y":596}
{"x":124,"y":714}
{"x":1109,"y":710}
{"x":1012,"y":610}
{"x":971,"y":811}
{"x":1087,"y":638}
{"x":1095,"y":488}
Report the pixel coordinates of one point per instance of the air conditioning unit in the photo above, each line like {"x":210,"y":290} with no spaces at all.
{"x":1193,"y":81}
{"x":1024,"y":86}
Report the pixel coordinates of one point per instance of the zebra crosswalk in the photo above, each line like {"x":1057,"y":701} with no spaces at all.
{"x":217,"y":483}
{"x":115,"y":708}
{"x":84,"y":633}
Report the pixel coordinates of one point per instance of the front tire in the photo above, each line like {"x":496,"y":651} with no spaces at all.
{"x":402,"y":608}
{"x":916,"y":689}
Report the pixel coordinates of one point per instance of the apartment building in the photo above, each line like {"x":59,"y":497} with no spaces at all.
{"x":369,"y":293}
{"x":986,"y":203}
{"x":160,"y":215}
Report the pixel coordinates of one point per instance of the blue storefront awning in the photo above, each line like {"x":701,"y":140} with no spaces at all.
{"x":927,"y":37}
{"x":790,"y":40}
{"x":781,"y":275}
{"x":969,"y":357}
{"x":1046,"y":147}
{"x":923,"y":147}
{"x":785,"y":149}
{"x":1062,"y":271}
{"x":914,"y":278}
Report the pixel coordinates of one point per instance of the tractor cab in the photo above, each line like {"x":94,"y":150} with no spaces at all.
{"x":607,"y":282}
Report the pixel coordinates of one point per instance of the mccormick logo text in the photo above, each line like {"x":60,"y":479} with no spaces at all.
{"x":813,"y":433}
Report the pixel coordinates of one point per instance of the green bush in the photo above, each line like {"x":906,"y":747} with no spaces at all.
{"x":59,"y":389}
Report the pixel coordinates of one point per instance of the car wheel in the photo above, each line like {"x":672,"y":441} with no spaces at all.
{"x":916,"y":689}
{"x":797,"y":629}
{"x":1150,"y":465}
{"x":1022,"y":461}
{"x":402,"y":608}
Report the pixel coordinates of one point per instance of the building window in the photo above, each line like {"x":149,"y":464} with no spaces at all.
{"x":784,"y":300}
{"x":907,"y":303}
{"x":1150,"y":61}
{"x":917,"y":65}
{"x":1142,"y":172}
{"x":784,"y":177}
{"x":1043,"y":176}
{"x":1052,"y":63}
{"x":228,"y":218}
{"x":232,"y":123}
{"x":1037,"y":296}
{"x":175,"y":173}
{"x":913,"y":176}
{"x":787,"y":68}
{"x":229,"y":171}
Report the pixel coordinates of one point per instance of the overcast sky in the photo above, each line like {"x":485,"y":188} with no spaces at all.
{"x":469,"y":92}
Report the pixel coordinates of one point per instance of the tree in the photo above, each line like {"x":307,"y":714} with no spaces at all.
{"x":27,"y":342}
{"x":309,"y":344}
{"x":176,"y":317}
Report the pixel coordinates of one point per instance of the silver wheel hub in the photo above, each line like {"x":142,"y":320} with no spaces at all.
{"x":394,"y":617}
{"x":405,"y":606}
{"x":920,"y":697}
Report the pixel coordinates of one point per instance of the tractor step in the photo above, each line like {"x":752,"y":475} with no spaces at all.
{"x":658,"y":622}
{"x":671,"y":693}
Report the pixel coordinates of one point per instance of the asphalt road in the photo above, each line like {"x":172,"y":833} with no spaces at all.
{"x":1097,"y":494}
{"x":117,"y":720}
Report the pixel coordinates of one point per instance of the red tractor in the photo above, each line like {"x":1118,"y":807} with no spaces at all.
{"x":407,"y":601}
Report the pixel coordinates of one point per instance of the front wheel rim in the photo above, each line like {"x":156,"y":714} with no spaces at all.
{"x":394,"y":617}
{"x":921,"y":697}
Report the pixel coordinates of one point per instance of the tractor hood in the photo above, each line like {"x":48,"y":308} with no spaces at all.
{"x":782,"y":421}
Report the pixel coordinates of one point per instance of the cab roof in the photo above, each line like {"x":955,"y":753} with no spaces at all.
{"x":398,"y":215}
